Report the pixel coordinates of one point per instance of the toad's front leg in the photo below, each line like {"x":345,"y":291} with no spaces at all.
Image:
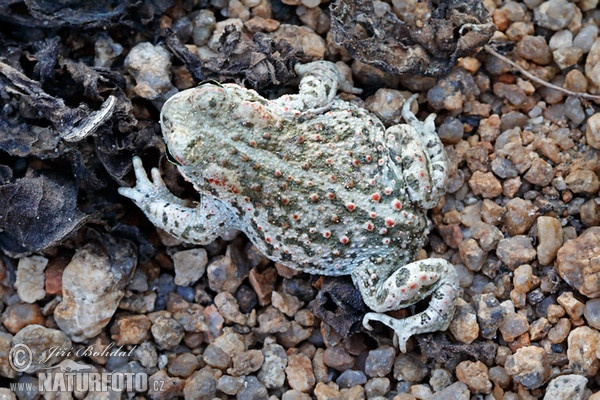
{"x":201,"y":224}
{"x":320,"y":81}
{"x":406,"y":286}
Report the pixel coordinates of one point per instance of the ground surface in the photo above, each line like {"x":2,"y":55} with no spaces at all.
{"x":82,"y":269}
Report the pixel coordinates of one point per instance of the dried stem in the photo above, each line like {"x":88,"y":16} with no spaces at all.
{"x":534,"y":78}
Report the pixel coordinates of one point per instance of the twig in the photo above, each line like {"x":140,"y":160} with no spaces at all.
{"x":534,"y":78}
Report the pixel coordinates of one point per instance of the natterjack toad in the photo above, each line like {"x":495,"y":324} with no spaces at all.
{"x":316,"y":183}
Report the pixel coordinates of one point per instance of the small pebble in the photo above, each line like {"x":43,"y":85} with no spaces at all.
{"x":286,"y":303}
{"x":550,"y":239}
{"x":150,"y":66}
{"x":48,"y":346}
{"x":540,"y":173}
{"x":561,"y":39}
{"x":573,"y":262}
{"x":146,"y":354}
{"x":299,"y":373}
{"x":183,"y":28}
{"x":88,"y":304}
{"x":464,"y":325}
{"x":230,"y":384}
{"x":585,"y":37}
{"x":131,"y":329}
{"x":592,"y":131}
{"x":583,"y":345}
{"x":350,"y":378}
{"x":201,"y":384}
{"x":216,"y":357}
{"x":307,"y":45}
{"x":30,"y":278}
{"x":592,"y":64}
{"x":559,"y":332}
{"x":162,"y":386}
{"x":106,"y":51}
{"x":485,"y":184}
{"x":554,"y":14}
{"x":591,"y":312}
{"x":528,"y":366}
{"x":189,"y":265}
{"x":387,"y":105}
{"x":246,"y":363}
{"x":534,"y":48}
{"x":471,"y":254}
{"x":377,"y":387}
{"x":263,"y":284}
{"x":167,"y":332}
{"x":489,"y":315}
{"x":327,"y":391}
{"x":295,"y":395}
{"x":571,"y":305}
{"x":204,"y":25}
{"x":380,"y":361}
{"x":451,"y":130}
{"x":271,"y":320}
{"x":475,"y":376}
{"x":566,"y":387}
{"x":225,"y":275}
{"x":272,"y":372}
{"x":183,"y":365}
{"x":512,"y":326}
{"x":409,"y":368}
{"x":229,"y":309}
{"x":337,"y":358}
{"x":457,"y":390}
{"x":516,"y":250}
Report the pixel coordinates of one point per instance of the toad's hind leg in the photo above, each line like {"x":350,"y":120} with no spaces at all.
{"x":406,"y":286}
{"x":418,"y":149}
{"x":201,"y":224}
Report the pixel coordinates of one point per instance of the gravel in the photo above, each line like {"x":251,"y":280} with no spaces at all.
{"x":521,"y":223}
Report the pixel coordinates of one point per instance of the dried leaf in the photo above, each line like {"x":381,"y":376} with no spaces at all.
{"x":37,"y":213}
{"x":51,"y":13}
{"x":340,"y":304}
{"x":259,"y":62}
{"x":430,"y":47}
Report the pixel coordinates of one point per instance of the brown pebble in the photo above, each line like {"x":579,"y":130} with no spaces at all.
{"x":299,"y":372}
{"x":559,"y":332}
{"x":464,"y":325}
{"x":130,"y":329}
{"x":515,"y":251}
{"x":475,"y":375}
{"x":534,"y":48}
{"x":592,"y":131}
{"x":491,"y":212}
{"x":576,"y":81}
{"x":583,"y":346}
{"x":54,"y":272}
{"x":519,"y":216}
{"x":529,"y":366}
{"x":583,"y":181}
{"x":550,"y":238}
{"x":485,"y":184}
{"x":572,"y":306}
{"x":540,"y":173}
{"x":263,"y":284}
{"x":17,"y":316}
{"x":589,"y":213}
{"x":576,"y":262}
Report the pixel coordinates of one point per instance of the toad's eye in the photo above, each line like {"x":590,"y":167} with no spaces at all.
{"x":209,"y":98}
